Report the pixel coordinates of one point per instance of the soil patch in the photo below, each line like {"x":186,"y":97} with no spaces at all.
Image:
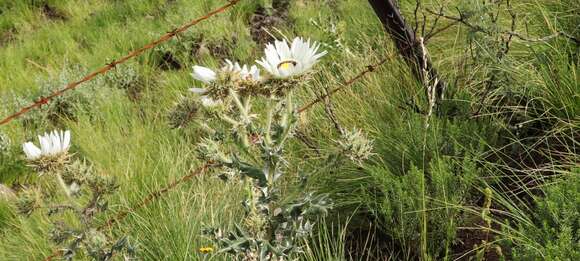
{"x":168,"y":61}
{"x":53,"y":13}
{"x":7,"y":37}
{"x":263,"y":21}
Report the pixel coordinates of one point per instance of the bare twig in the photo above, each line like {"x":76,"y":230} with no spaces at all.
{"x":303,"y":137}
{"x":417,"y":7}
{"x":330,"y":112}
{"x":463,"y":20}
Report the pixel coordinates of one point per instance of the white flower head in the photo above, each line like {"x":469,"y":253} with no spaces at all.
{"x":52,"y":144}
{"x":231,"y":72}
{"x":205,"y":75}
{"x":284,"y":61}
{"x":235,"y":70}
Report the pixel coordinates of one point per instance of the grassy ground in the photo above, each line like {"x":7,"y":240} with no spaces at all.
{"x":509,"y":126}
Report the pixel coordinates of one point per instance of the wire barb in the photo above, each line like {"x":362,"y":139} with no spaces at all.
{"x":42,"y":100}
{"x":113,"y":64}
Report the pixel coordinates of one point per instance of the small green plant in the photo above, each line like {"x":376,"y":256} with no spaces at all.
{"x":11,"y":166}
{"x":183,"y":113}
{"x":127,"y":77}
{"x":66,"y":106}
{"x":5,"y":144}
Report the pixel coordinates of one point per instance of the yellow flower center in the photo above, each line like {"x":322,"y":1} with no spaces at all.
{"x":286,"y":65}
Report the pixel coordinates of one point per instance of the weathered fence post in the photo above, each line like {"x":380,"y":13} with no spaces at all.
{"x":408,"y":45}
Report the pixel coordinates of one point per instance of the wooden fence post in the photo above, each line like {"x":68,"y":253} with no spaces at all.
{"x":408,"y":44}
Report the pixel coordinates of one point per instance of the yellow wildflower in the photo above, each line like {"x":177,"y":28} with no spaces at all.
{"x":206,"y":250}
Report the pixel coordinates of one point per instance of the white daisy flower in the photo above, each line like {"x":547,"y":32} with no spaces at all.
{"x":204,"y":74}
{"x":283,"y":61}
{"x":51,"y":144}
{"x":207,"y":76}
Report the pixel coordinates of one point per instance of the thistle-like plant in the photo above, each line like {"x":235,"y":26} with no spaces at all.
{"x":70,"y":188}
{"x":252,"y":143}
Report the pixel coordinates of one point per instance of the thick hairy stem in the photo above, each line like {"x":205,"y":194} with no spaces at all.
{"x":74,"y":205}
{"x":269,"y":119}
{"x":407,"y":43}
{"x":64,"y":187}
{"x":286,"y":121}
{"x":243,"y":110}
{"x":245,"y":118}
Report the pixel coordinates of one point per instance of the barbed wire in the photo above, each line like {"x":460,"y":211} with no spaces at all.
{"x":369,"y":69}
{"x":155,"y":195}
{"x":164,"y":38}
{"x":207,"y":165}
{"x":145,"y":201}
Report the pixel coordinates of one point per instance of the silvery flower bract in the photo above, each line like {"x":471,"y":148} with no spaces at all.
{"x":51,"y":144}
{"x":204,"y":74}
{"x":283,"y":61}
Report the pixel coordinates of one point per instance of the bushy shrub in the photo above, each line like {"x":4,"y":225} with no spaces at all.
{"x":554,"y":230}
{"x":431,"y":197}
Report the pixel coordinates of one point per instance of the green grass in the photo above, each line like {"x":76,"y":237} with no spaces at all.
{"x":418,"y":196}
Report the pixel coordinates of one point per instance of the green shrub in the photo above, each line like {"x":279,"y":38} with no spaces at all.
{"x":554,"y":230}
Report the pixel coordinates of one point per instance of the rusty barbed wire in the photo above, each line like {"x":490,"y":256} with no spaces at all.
{"x":207,"y":165}
{"x":45,"y":100}
{"x":369,"y":69}
{"x":146,"y":200}
{"x":155,"y":195}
